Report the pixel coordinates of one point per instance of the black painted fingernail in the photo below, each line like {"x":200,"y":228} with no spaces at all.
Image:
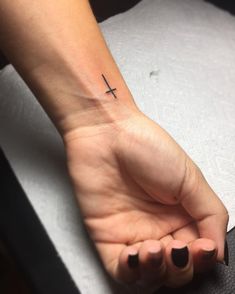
{"x":133,"y":260}
{"x":208,"y":254}
{"x":226,"y":253}
{"x":180,"y":256}
{"x":155,"y":259}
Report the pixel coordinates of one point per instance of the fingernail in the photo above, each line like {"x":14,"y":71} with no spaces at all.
{"x":180,"y":256}
{"x":226,"y":253}
{"x":133,"y":260}
{"x":155,"y":259}
{"x":208,"y":254}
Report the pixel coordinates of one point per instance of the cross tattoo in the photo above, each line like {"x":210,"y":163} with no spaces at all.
{"x":110,"y":89}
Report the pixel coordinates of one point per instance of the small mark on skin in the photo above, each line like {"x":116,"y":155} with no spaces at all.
{"x":110,"y":89}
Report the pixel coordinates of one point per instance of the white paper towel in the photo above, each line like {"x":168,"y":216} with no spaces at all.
{"x":178,"y":58}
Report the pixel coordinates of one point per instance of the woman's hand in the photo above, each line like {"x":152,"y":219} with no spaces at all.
{"x":152,"y":215}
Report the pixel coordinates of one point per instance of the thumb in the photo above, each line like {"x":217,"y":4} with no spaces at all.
{"x":201,"y":202}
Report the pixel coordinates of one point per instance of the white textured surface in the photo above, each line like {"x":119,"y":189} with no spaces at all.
{"x":190,"y":47}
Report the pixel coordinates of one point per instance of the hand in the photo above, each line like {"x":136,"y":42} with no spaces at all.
{"x":152,"y":215}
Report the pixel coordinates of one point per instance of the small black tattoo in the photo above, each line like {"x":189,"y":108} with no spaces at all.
{"x":110,"y":89}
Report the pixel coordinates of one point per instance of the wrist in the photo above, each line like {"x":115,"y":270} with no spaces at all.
{"x":73,"y":105}
{"x":101,"y":116}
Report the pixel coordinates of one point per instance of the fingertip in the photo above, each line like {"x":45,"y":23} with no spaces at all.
{"x":179,"y":264}
{"x":128,"y":265}
{"x":152,"y":262}
{"x":204,"y":253}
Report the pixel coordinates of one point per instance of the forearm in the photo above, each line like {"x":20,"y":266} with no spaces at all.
{"x":58,"y":49}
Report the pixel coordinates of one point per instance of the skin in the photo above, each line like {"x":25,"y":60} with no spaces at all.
{"x":137,"y":189}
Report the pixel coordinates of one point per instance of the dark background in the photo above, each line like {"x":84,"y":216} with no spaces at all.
{"x":106,"y":8}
